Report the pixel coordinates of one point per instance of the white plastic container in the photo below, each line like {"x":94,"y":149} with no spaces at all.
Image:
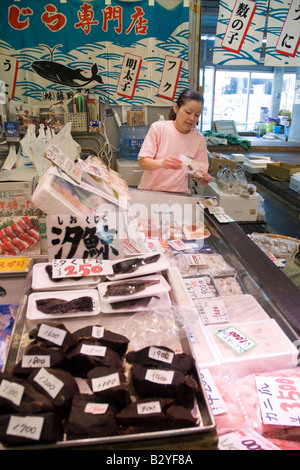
{"x":273,"y":350}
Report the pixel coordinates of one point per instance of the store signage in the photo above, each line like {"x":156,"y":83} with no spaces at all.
{"x":56,"y":156}
{"x":170,"y":77}
{"x":235,"y":339}
{"x":238,"y":26}
{"x":279,"y":399}
{"x":129,"y":75}
{"x":8,"y":74}
{"x":289,"y":38}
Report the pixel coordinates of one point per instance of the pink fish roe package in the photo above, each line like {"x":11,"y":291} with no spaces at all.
{"x":244,"y":409}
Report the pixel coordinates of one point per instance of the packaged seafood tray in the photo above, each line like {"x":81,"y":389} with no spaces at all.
{"x":139,"y":266}
{"x":228,"y":285}
{"x":130,"y":334}
{"x":271,"y":349}
{"x":232,"y":308}
{"x":42,"y":281}
{"x":200,"y":264}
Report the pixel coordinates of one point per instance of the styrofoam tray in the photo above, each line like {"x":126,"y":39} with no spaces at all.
{"x":163,"y":301}
{"x":41,"y":280}
{"x":161,"y":265}
{"x":155,"y":289}
{"x":34,"y":314}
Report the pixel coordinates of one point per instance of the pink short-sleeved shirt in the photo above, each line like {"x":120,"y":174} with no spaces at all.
{"x":163,"y":140}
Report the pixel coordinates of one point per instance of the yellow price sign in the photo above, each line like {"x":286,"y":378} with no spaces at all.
{"x":14,"y":264}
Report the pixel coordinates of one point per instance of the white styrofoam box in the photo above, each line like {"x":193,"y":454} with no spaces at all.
{"x":273,"y":349}
{"x":263,"y":158}
{"x":295,"y":182}
{"x":130,"y":171}
{"x":253,"y":169}
{"x":238,"y":157}
{"x":237,"y":207}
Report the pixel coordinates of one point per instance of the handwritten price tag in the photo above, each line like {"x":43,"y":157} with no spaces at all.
{"x":212,"y":311}
{"x":81,"y":267}
{"x":248,"y":440}
{"x":235,"y":339}
{"x":279,"y":399}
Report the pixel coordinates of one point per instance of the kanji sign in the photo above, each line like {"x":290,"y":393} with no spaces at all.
{"x":8,"y":74}
{"x":170,"y":76}
{"x":289,"y":39}
{"x":239,"y":24}
{"x":129,"y":75}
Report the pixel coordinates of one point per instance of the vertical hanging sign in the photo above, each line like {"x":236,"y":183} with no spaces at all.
{"x":129,"y":75}
{"x":289,"y":39}
{"x":170,"y":76}
{"x":238,"y":26}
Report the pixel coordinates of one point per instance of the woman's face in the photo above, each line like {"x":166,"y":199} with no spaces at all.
{"x":187,"y":115}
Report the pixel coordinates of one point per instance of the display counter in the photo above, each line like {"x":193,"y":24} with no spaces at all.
{"x":259,"y":280}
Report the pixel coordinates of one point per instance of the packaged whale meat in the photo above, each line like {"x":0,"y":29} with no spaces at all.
{"x":110,"y":339}
{"x":53,"y":305}
{"x":132,"y":264}
{"x":129,"y":287}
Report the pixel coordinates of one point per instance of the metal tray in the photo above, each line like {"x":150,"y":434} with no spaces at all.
{"x":201,"y":436}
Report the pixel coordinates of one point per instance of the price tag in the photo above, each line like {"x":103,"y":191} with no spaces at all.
{"x":160,"y":376}
{"x":96,"y":408}
{"x":81,"y":267}
{"x":29,"y":427}
{"x":236,"y":340}
{"x":213,"y":311}
{"x":160,"y":355}
{"x":61,"y":160}
{"x":279,"y":399}
{"x":178,"y":245}
{"x":35,"y":361}
{"x":98,"y":332}
{"x":196,"y":259}
{"x":12,"y":264}
{"x":148,"y":408}
{"x":51,"y":333}
{"x":12,"y":391}
{"x":93,"y":350}
{"x":214,"y":397}
{"x":216,"y":210}
{"x":245,"y":440}
{"x":106,"y":382}
{"x":197,"y":288}
{"x":51,"y":384}
{"x":223,"y":218}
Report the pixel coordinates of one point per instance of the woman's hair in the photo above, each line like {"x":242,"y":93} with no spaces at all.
{"x":185,"y":96}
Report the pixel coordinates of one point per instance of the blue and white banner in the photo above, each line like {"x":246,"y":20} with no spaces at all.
{"x":65,"y":46}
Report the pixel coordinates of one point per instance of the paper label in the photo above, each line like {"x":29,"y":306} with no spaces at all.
{"x":61,"y":160}
{"x":214,"y":397}
{"x":235,"y":339}
{"x":35,"y":361}
{"x":161,"y":355}
{"x":93,"y":350}
{"x":245,"y":440}
{"x":223,"y":218}
{"x":96,"y":408}
{"x":279,"y":399}
{"x":178,"y":245}
{"x":12,"y":391}
{"x":106,"y":382}
{"x":81,"y":267}
{"x":160,"y":376}
{"x":197,"y":288}
{"x":51,"y":333}
{"x":48,"y":382}
{"x":29,"y":427}
{"x":213,"y":311}
{"x":148,"y":408}
{"x":195,"y":259}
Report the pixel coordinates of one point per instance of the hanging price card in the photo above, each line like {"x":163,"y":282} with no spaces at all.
{"x":235,"y":339}
{"x":81,"y":267}
{"x":279,"y":399}
{"x":214,"y":397}
{"x":197,"y":288}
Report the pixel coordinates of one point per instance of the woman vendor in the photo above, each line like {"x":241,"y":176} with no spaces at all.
{"x":167,"y":141}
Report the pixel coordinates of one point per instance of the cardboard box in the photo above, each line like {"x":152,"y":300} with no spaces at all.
{"x":136,"y":118}
{"x":215,"y":163}
{"x":241,"y":209}
{"x":295,"y":182}
{"x":281,"y":171}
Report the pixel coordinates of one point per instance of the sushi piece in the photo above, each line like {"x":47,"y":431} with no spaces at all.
{"x":9,"y":248}
{"x":53,"y":306}
{"x":28,"y":222}
{"x":129,"y":287}
{"x":131,"y":265}
{"x":26,"y":238}
{"x":33,"y":233}
{"x":16,"y":229}
{"x":19,"y":244}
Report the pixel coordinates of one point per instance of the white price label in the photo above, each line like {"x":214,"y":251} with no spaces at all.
{"x":245,"y":440}
{"x":148,"y":408}
{"x":93,"y":350}
{"x":214,"y":397}
{"x":98,"y":331}
{"x":96,"y":408}
{"x":29,"y":427}
{"x":12,"y":391}
{"x":212,"y":311}
{"x":197,"y":288}
{"x":51,"y":333}
{"x":235,"y":339}
{"x":62,"y":268}
{"x":35,"y":361}
{"x":279,"y":399}
{"x":51,"y":384}
{"x":159,"y":354}
{"x":195,"y":259}
{"x":160,"y":376}
{"x":104,"y":383}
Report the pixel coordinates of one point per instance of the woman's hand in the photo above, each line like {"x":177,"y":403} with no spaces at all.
{"x":171,"y":163}
{"x":206,"y":178}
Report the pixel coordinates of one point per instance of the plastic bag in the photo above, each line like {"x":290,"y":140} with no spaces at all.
{"x":38,"y":148}
{"x":65,"y":142}
{"x":11,"y":159}
{"x":25,"y":156}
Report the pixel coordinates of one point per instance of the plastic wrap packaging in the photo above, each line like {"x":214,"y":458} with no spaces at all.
{"x":242,"y":402}
{"x":280,"y":247}
{"x":234,"y":183}
{"x":211,"y":264}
